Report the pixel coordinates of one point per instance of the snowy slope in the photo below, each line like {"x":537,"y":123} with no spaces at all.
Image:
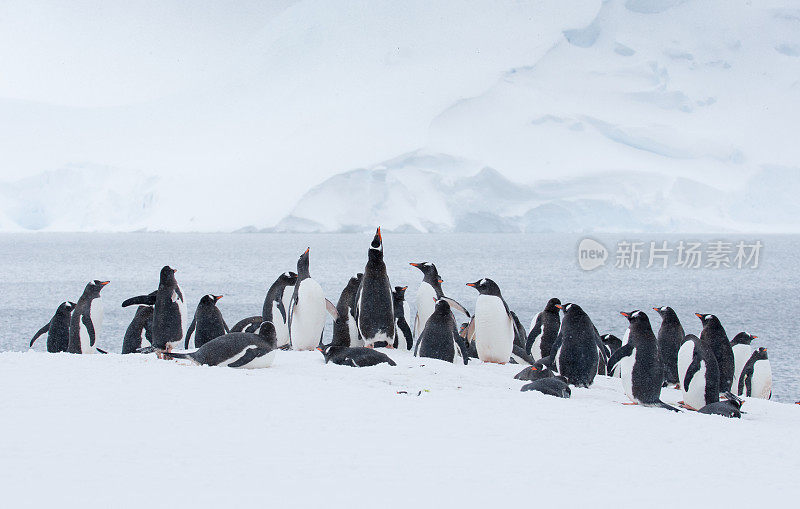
{"x":138,"y":431}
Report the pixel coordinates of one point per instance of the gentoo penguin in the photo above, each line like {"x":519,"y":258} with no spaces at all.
{"x":345,"y":331}
{"x":250,"y":324}
{"x":57,"y":329}
{"x":236,"y":350}
{"x":374,"y":303}
{"x":701,"y":383}
{"x":440,"y":338}
{"x":756,"y":378}
{"x":169,"y":311}
{"x":429,"y":289}
{"x":307,"y":309}
{"x":731,"y":407}
{"x":544,"y":330}
{"x":640,"y":367}
{"x":685,"y":355}
{"x":87,"y":320}
{"x":207,"y":323}
{"x":670,"y":339}
{"x":612,"y":342}
{"x":552,"y":386}
{"x":404,"y":338}
{"x":741,"y":354}
{"x":276,"y":305}
{"x":139,"y":333}
{"x":534,"y":372}
{"x":715,"y":337}
{"x":357,"y":357}
{"x":577,"y":350}
{"x":492,"y":324}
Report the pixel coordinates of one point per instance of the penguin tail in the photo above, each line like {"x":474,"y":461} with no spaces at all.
{"x":102,"y":351}
{"x":661,"y":404}
{"x":147,"y":349}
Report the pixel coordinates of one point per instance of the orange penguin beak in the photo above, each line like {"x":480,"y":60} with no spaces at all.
{"x":103,"y":283}
{"x":379,"y":234}
{"x":307,"y":250}
{"x":754,"y":337}
{"x":626,"y":315}
{"x":217,"y":297}
{"x":559,"y":306}
{"x":655,"y":309}
{"x":406,"y":288}
{"x":414,"y":264}
{"x":698,"y":315}
{"x":441,"y":280}
{"x":471,"y":284}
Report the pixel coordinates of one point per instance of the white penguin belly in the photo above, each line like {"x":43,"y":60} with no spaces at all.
{"x":352,"y":328}
{"x":494,"y":330}
{"x":407,"y":313}
{"x":281,"y":326}
{"x":308,"y":316}
{"x":695,"y":395}
{"x":626,"y":373}
{"x":684,"y":359}
{"x":425,"y":307}
{"x":761,"y":385}
{"x":741,"y":354}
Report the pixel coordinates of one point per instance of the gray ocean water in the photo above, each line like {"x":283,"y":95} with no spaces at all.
{"x":38,"y":271}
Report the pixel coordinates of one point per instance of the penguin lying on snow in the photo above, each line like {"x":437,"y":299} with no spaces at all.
{"x":139,"y":333}
{"x":756,"y":378}
{"x":357,"y":357}
{"x":552,"y":386}
{"x":207,"y":323}
{"x":236,"y":350}
{"x":276,"y":305}
{"x":87,"y":320}
{"x":640,"y":366}
{"x":731,"y":407}
{"x":57,"y":329}
{"x":544,"y":330}
{"x":534,"y":372}
{"x":440,"y":338}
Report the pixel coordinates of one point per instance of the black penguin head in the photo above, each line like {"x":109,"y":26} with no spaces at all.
{"x":636,"y":317}
{"x":400,"y":292}
{"x":267,"y":332}
{"x":664,"y":311}
{"x":760,"y":354}
{"x":692,"y":338}
{"x":707,"y":319}
{"x":303,"y":264}
{"x":552,"y":305}
{"x":377,"y":242}
{"x":288,"y":278}
{"x":569,"y":307}
{"x":486,"y":286}
{"x":442,"y":307}
{"x":743,"y":338}
{"x":66,"y":307}
{"x":210,"y":300}
{"x":167,"y":276}
{"x":328,"y":351}
{"x":93,"y":287}
{"x":429,"y":273}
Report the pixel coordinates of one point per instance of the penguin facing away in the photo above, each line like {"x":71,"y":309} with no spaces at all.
{"x":345,"y":331}
{"x":429,"y":289}
{"x":756,"y":378}
{"x":492,"y":323}
{"x":741,"y":354}
{"x":236,"y":350}
{"x":577,"y":350}
{"x":87,"y":320}
{"x":701,"y":383}
{"x":139,"y":333}
{"x":670,"y":339}
{"x":375,"y":304}
{"x":404,"y":338}
{"x":170,"y":318}
{"x":440,"y":338}
{"x":276,"y":305}
{"x":357,"y":357}
{"x":307,"y":309}
{"x":57,"y":329}
{"x":544,"y":330}
{"x":714,"y":336}
{"x":641,"y":369}
{"x":207,"y":323}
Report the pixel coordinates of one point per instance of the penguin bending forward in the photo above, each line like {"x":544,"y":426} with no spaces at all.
{"x":276,"y":305}
{"x":429,"y":290}
{"x":375,"y":303}
{"x":236,"y":350}
{"x":440,"y":338}
{"x":139,"y":333}
{"x":87,"y":320}
{"x":57,"y":329}
{"x":756,"y":378}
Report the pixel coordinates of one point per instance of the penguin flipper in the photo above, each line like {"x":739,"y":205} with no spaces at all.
{"x":533,"y":334}
{"x":250,"y":355}
{"x":87,"y":322}
{"x":331,"y":309}
{"x":618,"y":355}
{"x":282,"y":309}
{"x":406,"y":332}
{"x":454,"y":304}
{"x":520,"y":353}
{"x":39,"y":333}
{"x":102,"y":351}
{"x":143,"y":300}
{"x":189,"y":332}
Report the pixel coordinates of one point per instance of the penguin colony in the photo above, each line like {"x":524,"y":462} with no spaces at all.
{"x":561,"y":348}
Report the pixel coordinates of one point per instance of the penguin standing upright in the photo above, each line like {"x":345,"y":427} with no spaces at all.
{"x":440,"y":338}
{"x":169,"y":311}
{"x":375,"y":304}
{"x":307,"y":309}
{"x":701,"y":383}
{"x":276,"y":305}
{"x":756,"y":378}
{"x":345,"y":331}
{"x":685,"y":355}
{"x":492,"y":324}
{"x":57,"y":329}
{"x":641,"y":369}
{"x":670,"y":339}
{"x":430,"y":289}
{"x":404,"y":338}
{"x":236,"y":350}
{"x":715,"y":337}
{"x":207,"y":323}
{"x":544,"y":330}
{"x":741,"y":354}
{"x":578,"y":349}
{"x":139,"y":333}
{"x":87,"y":320}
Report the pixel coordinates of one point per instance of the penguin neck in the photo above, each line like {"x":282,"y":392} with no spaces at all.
{"x":433,"y":280}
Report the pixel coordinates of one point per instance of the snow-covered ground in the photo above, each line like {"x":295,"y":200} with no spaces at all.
{"x":134,"y":431}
